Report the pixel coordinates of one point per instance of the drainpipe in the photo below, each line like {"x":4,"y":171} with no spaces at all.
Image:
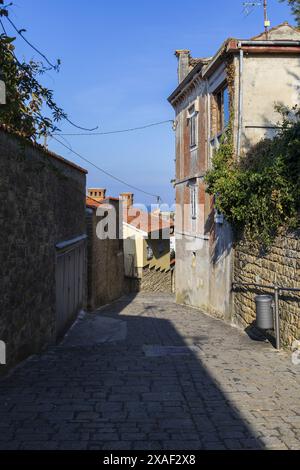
{"x":277,"y":318}
{"x":240,"y":109}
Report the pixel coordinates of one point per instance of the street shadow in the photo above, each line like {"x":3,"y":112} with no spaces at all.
{"x":150,"y":391}
{"x":256,"y":334}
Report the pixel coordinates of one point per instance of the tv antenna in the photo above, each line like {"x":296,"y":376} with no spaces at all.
{"x":250,"y":6}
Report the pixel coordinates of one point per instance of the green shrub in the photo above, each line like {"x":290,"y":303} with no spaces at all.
{"x":260,"y":193}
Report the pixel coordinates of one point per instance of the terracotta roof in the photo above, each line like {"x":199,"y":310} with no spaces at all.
{"x":111,"y":198}
{"x":147,"y":222}
{"x":93,"y":203}
{"x":282,"y":26}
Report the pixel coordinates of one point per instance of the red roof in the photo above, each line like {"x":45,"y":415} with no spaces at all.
{"x":90,"y":202}
{"x":139,"y":219}
{"x":147,"y":222}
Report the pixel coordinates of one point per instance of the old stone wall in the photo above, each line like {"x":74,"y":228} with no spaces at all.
{"x":42,"y":203}
{"x":154,"y":280}
{"x":281,"y":265}
{"x":106,"y":281}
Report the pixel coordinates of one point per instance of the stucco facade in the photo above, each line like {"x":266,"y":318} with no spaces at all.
{"x":241,"y":83}
{"x":137,"y":245}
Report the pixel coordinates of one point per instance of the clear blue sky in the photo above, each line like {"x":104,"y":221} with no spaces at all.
{"x":118,"y":68}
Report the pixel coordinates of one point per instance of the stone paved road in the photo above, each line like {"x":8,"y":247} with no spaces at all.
{"x":227,"y":392}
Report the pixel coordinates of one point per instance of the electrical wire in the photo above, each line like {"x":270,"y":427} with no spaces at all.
{"x":116,"y":131}
{"x":20,"y":33}
{"x":20,"y":65}
{"x":80,"y":127}
{"x":2,"y":26}
{"x":106,"y":172}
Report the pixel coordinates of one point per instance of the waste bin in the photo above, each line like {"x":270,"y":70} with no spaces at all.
{"x":264,"y":312}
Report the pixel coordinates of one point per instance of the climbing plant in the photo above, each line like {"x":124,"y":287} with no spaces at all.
{"x":26,"y":99}
{"x":295,"y":7}
{"x":260,"y":192}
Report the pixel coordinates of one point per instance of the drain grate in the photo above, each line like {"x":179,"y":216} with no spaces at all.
{"x":161,"y":351}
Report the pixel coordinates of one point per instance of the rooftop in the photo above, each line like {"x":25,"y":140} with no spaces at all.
{"x":147,"y":222}
{"x":284,"y":32}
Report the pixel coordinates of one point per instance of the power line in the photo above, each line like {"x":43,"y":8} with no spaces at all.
{"x":2,"y":26}
{"x":20,"y":33}
{"x":45,"y":58}
{"x":106,"y":172}
{"x":116,"y":131}
{"x":80,"y":127}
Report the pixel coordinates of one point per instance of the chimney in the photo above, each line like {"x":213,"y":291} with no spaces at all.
{"x":97,"y":193}
{"x":127,"y":199}
{"x":183,"y":56}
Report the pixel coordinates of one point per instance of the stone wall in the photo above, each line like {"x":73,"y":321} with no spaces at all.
{"x":106,"y":281}
{"x":42,"y":203}
{"x":280,"y":265}
{"x":154,"y":280}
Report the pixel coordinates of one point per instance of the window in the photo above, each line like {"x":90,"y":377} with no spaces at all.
{"x":193,"y":122}
{"x":149,"y":253}
{"x":193,"y":190}
{"x":220,"y":111}
{"x":220,"y":115}
{"x":161,"y":247}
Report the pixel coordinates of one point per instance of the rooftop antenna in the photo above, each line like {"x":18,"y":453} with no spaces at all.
{"x":249,"y":7}
{"x":266,"y":19}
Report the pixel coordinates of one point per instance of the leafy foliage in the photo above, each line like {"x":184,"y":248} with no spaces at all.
{"x":261,"y":192}
{"x":295,"y":6}
{"x":26,"y":98}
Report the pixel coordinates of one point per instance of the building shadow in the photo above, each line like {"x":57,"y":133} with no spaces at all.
{"x":149,"y":391}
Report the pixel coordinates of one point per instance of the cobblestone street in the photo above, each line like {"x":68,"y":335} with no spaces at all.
{"x":163,"y":376}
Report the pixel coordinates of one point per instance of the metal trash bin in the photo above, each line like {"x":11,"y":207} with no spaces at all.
{"x":264,"y":312}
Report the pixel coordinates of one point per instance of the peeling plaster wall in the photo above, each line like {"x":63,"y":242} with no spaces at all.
{"x":267,"y":80}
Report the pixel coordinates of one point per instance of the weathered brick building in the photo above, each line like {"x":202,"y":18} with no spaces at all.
{"x":42,"y":246}
{"x":241,"y":83}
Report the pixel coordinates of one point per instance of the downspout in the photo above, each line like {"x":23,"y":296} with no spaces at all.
{"x":240,"y":104}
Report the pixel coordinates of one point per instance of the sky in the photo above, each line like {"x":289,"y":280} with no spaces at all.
{"x":118,"y":69}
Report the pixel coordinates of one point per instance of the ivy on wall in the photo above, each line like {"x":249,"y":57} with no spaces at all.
{"x":260,"y":193}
